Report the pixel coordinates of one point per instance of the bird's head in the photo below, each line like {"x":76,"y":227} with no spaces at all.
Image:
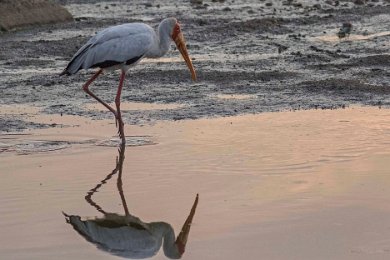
{"x":178,"y":38}
{"x":174,"y":249}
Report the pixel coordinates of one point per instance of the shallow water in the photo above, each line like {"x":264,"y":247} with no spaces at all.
{"x":288,"y":185}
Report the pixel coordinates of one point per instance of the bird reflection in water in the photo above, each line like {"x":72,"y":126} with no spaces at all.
{"x":127,"y":235}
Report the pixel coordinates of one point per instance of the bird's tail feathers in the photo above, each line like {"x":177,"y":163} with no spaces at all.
{"x":77,"y":61}
{"x":74,"y":65}
{"x":65,"y":72}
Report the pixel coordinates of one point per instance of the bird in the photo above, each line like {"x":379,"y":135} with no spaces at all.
{"x":123,"y":46}
{"x":127,"y":235}
{"x":345,"y":30}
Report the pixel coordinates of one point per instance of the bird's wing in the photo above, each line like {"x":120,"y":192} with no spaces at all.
{"x":119,"y":31}
{"x":119,"y":44}
{"x":127,"y":49}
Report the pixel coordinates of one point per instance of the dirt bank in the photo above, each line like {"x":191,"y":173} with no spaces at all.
{"x":22,"y":13}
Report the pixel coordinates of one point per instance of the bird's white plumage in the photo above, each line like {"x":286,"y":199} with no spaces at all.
{"x":118,"y":44}
{"x":123,"y":46}
{"x":125,"y":240}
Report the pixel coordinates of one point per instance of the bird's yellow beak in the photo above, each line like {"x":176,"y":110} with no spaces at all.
{"x":181,"y":45}
{"x":182,"y":238}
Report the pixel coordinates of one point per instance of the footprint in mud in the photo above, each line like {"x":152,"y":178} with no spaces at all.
{"x":130,"y":141}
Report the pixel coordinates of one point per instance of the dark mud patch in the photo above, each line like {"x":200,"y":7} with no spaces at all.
{"x":240,"y":76}
{"x":373,"y":60}
{"x":8,"y":125}
{"x":258,"y":25}
{"x":344,"y":86}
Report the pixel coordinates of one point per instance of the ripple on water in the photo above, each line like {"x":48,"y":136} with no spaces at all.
{"x":34,"y":146}
{"x":130,"y":141}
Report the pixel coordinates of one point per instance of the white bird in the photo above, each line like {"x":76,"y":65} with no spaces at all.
{"x":127,"y":235}
{"x":123,"y":46}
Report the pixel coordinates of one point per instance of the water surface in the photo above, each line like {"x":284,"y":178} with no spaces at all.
{"x":289,"y":185}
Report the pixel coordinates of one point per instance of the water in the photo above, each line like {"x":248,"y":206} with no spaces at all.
{"x":288,"y":185}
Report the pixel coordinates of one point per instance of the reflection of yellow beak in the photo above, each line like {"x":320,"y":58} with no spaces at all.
{"x":181,"y":45}
{"x":182,"y":238}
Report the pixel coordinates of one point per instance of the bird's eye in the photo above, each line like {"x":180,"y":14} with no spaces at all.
{"x":176,"y":31}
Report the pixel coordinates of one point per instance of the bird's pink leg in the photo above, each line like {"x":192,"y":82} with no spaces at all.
{"x":85,"y":88}
{"x":118,"y":109}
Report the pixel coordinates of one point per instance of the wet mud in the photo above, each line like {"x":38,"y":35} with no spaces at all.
{"x":284,"y":54}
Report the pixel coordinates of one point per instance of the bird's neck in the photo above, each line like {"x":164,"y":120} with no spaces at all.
{"x":168,"y":234}
{"x":162,"y":43}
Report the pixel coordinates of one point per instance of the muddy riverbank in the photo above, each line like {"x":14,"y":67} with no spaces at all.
{"x":282,"y":55}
